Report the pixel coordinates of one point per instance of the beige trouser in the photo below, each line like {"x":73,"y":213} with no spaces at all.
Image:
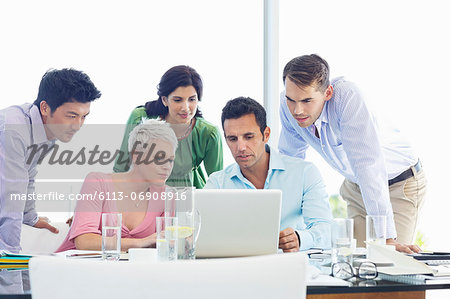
{"x":406,"y":198}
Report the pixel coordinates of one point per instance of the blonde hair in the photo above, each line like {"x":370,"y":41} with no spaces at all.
{"x":151,"y":129}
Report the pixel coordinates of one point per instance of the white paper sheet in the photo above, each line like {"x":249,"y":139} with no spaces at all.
{"x":326,"y":280}
{"x":403,"y":264}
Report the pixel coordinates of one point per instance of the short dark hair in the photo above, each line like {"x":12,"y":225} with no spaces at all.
{"x":307,"y":70}
{"x":66,"y":85}
{"x":180,"y":75}
{"x":241,"y":106}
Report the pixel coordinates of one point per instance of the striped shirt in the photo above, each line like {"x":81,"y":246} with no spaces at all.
{"x":351,"y":140}
{"x":20,"y":127}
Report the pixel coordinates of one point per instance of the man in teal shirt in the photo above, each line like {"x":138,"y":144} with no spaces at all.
{"x":305,"y":211}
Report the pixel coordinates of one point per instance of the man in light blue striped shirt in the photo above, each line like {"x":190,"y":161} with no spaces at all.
{"x":305,"y":211}
{"x":382,"y":174}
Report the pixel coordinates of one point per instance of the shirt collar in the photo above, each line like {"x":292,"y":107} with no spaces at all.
{"x":275,"y":163}
{"x":236,"y":172}
{"x":324,"y":115}
{"x":323,"y":118}
{"x":39,"y":135}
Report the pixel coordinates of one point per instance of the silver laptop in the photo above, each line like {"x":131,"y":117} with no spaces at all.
{"x":237,"y":222}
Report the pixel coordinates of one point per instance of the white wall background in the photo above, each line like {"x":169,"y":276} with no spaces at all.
{"x":126,"y":46}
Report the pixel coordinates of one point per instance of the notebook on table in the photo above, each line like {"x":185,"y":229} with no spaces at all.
{"x":407,"y":265}
{"x":237,"y":223}
{"x":432,"y":258}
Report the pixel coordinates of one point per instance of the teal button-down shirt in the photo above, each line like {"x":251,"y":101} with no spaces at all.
{"x":305,"y":205}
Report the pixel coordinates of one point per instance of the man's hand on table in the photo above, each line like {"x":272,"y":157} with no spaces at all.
{"x":402,"y":247}
{"x":288,"y":240}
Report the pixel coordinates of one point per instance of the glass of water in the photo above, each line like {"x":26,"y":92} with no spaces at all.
{"x":166,"y":238}
{"x":375,"y":234}
{"x":376,"y":229}
{"x":111,"y":234}
{"x":341,"y":241}
{"x":188,"y":231}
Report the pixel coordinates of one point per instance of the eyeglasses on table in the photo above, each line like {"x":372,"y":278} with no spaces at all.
{"x":343,"y":270}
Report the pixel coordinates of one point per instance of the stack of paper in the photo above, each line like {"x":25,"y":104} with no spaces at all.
{"x":407,"y":265}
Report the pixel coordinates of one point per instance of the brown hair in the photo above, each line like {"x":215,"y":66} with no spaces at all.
{"x":308,"y":70}
{"x":180,"y":75}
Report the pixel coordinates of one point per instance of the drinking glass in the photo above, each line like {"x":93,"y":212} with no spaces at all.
{"x":341,"y":241}
{"x":188,"y":230}
{"x":376,"y":229}
{"x":111,"y":234}
{"x":166,"y":238}
{"x":375,"y":233}
{"x":180,"y":204}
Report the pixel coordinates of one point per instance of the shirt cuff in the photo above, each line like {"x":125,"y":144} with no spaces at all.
{"x":31,"y":219}
{"x":391,"y":233}
{"x":306,"y":239}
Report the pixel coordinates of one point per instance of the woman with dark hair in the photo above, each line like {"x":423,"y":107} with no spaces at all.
{"x":179,"y":91}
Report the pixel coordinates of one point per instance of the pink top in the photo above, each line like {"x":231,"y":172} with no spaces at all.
{"x":88,"y":213}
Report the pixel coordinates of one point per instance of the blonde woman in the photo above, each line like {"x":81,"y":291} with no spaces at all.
{"x":137,"y":193}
